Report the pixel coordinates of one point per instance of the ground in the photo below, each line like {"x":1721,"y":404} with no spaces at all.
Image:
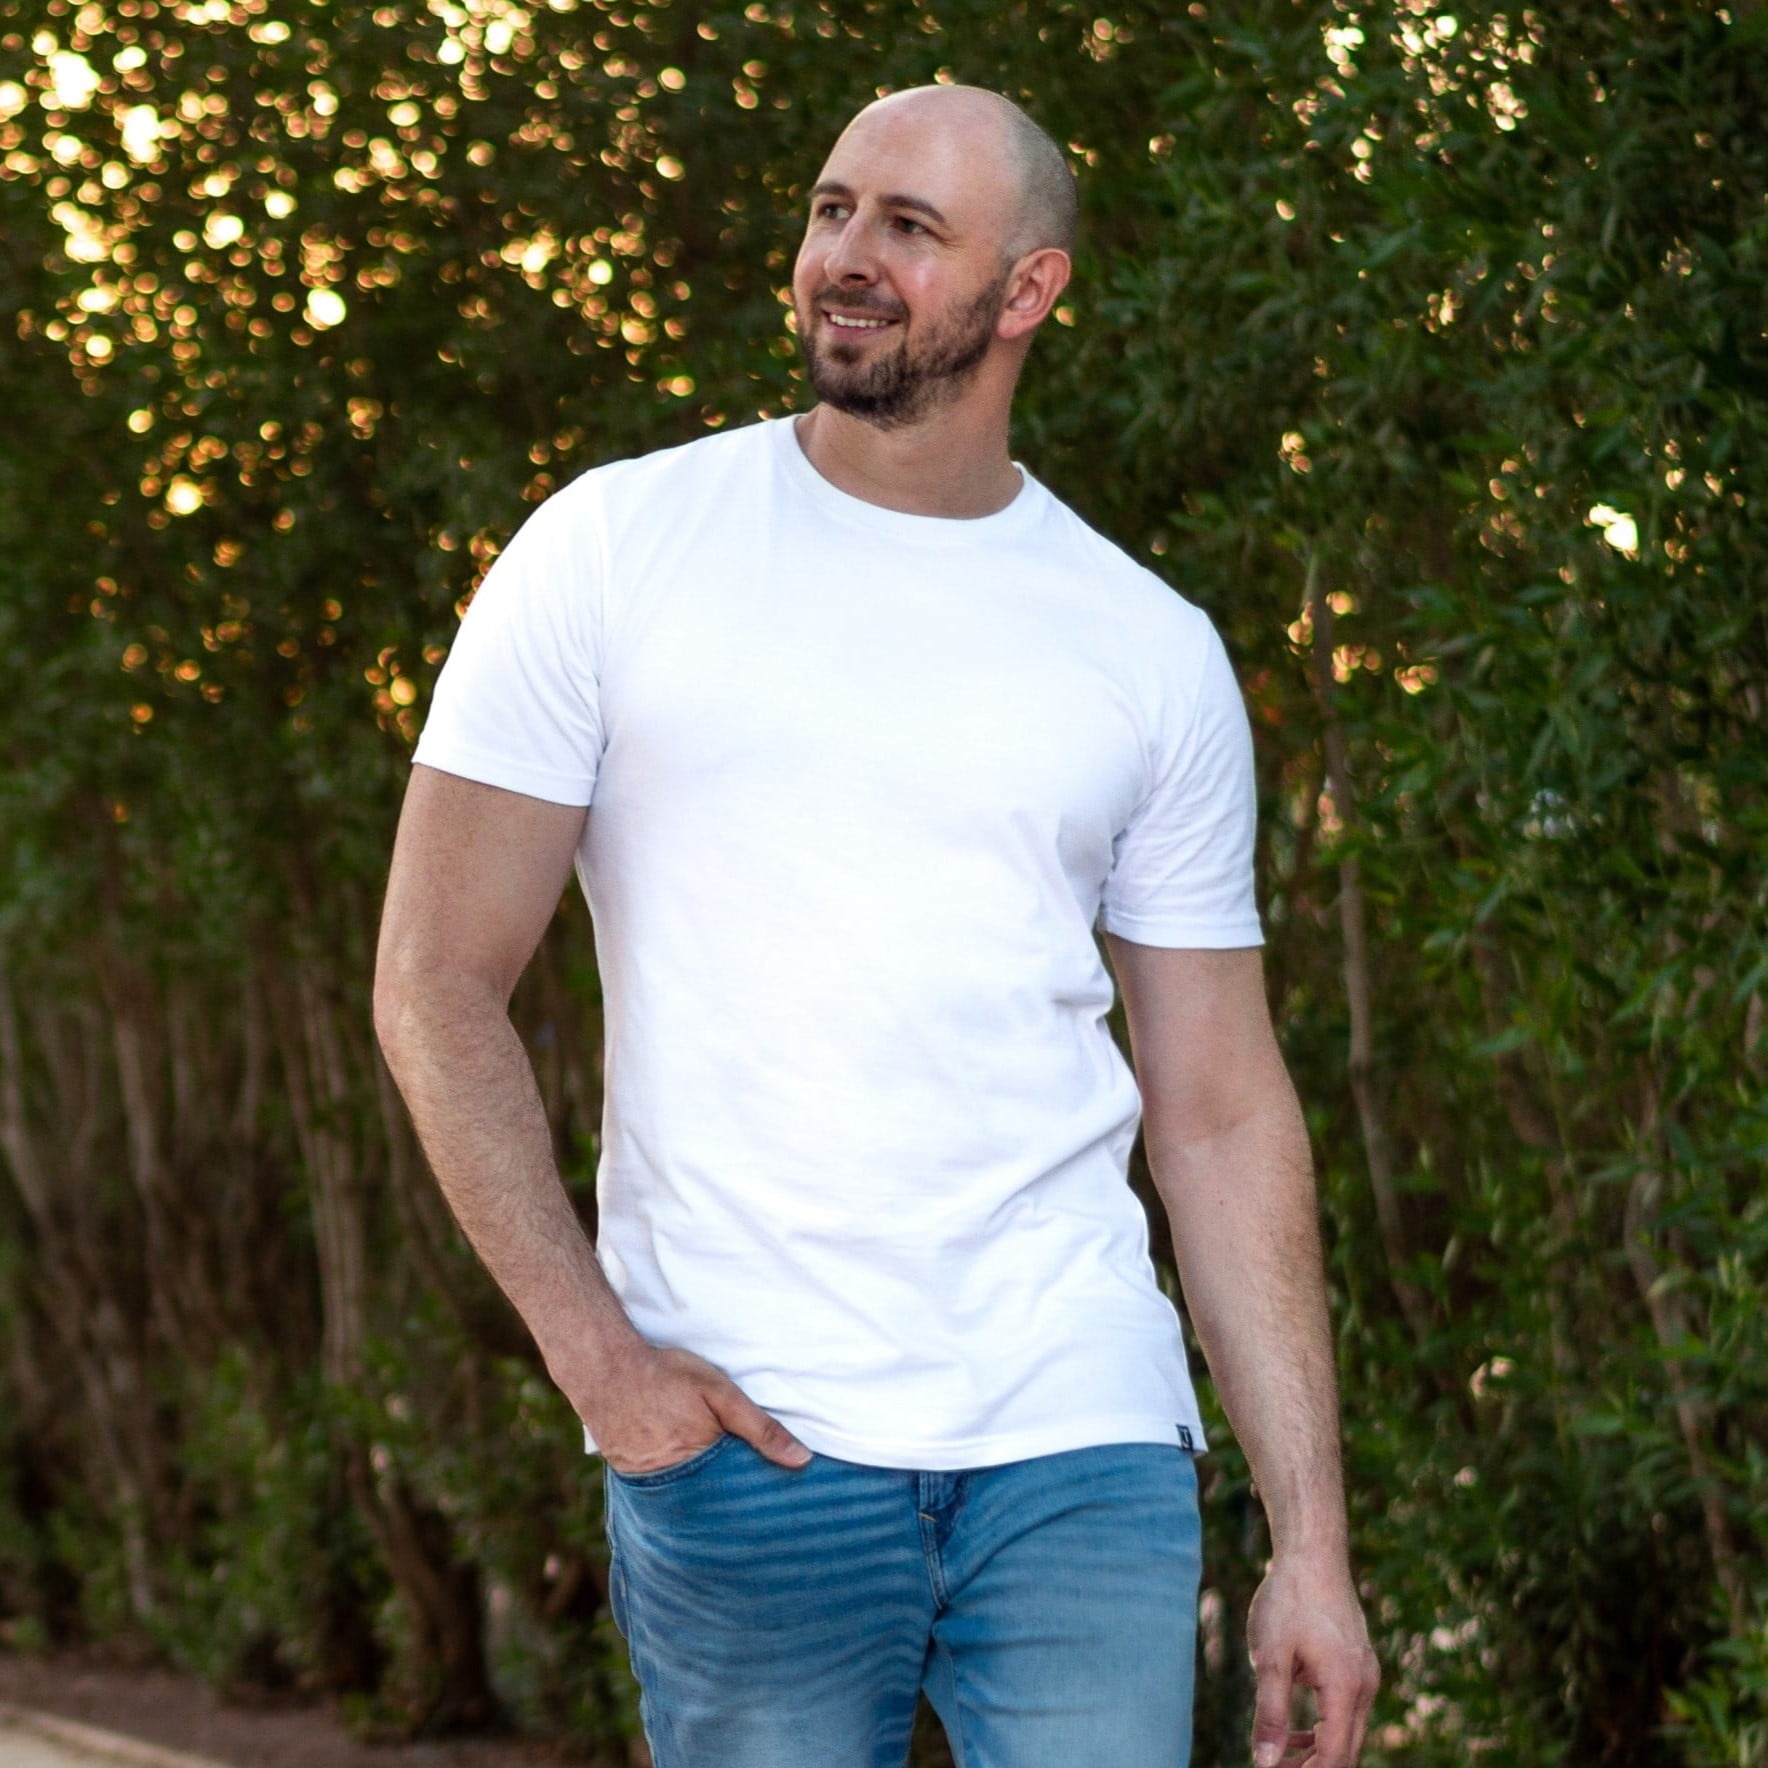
{"x":181,"y":1713}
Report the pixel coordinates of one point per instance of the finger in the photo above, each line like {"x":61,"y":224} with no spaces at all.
{"x":1356,"y":1738}
{"x":1365,"y":1706}
{"x":1270,"y":1724}
{"x":1339,"y":1693}
{"x":742,"y":1417}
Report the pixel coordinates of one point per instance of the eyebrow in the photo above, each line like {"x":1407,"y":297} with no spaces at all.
{"x":891,"y":199}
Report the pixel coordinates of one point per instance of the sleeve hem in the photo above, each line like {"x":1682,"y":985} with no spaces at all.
{"x":510,"y":776}
{"x":1194,"y":935}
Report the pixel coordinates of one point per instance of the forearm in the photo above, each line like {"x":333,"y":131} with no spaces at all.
{"x":1242,"y":1204}
{"x":471,"y":1092}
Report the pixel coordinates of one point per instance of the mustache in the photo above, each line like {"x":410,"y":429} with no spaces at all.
{"x":832,"y":296}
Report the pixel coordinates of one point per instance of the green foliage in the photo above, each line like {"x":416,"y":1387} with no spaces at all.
{"x":270,"y":1532}
{"x":496,"y":1449}
{"x":1723,"y":1714}
{"x":1423,"y":351}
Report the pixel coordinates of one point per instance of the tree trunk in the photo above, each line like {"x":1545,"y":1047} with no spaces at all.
{"x":180,"y":1287}
{"x":1693,"y":1415}
{"x":321,"y":1103}
{"x":1353,"y":923}
{"x":441,"y":1595}
{"x":80,"y":1295}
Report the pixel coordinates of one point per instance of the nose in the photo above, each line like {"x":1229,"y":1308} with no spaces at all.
{"x":851,"y":261}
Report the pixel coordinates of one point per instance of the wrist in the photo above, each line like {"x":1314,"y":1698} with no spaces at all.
{"x":1306,"y":1515}
{"x":1316,"y":1561}
{"x":1319,"y":1537}
{"x":586,"y":1359}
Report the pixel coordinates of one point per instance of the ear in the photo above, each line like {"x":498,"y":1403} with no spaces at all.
{"x":1032,"y":290}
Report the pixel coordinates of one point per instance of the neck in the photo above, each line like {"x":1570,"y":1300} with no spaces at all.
{"x":954,"y":463}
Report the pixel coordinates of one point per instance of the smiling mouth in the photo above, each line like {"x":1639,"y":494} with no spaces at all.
{"x":842,"y":323}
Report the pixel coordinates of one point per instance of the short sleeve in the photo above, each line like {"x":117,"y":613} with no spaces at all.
{"x":1181,"y":867}
{"x":517,"y":704}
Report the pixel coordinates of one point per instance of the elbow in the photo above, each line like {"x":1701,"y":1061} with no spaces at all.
{"x":419,"y":998}
{"x":392,"y":997}
{"x":400,"y":992}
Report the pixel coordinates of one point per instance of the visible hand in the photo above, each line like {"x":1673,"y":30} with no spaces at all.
{"x":1306,"y":1629}
{"x":659,"y":1406}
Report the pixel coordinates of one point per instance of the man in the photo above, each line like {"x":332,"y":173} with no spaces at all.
{"x":853,"y":732}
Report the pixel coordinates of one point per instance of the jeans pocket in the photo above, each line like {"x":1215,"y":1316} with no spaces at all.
{"x":663,"y":1476}
{"x":617,"y":1597}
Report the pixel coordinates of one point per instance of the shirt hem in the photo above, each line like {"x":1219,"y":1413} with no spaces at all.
{"x":507,"y":776}
{"x":989,"y":1451}
{"x":1190,"y":935}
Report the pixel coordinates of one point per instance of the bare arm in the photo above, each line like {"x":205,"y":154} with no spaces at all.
{"x":1228,"y":1149}
{"x":477,"y":874}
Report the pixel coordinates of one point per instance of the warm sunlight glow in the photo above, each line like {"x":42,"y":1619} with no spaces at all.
{"x":325,"y":308}
{"x":1619,"y":530}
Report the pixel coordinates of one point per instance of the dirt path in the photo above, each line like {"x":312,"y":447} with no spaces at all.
{"x":23,"y":1749}
{"x":30,"y":1738}
{"x":19,"y":1749}
{"x":181,"y":1713}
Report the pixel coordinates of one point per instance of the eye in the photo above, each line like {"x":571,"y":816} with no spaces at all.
{"x":903,"y":221}
{"x":826,"y":208}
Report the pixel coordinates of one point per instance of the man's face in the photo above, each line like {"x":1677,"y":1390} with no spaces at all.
{"x":900,"y":278}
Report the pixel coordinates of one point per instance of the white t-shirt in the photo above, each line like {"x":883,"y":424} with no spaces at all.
{"x":862,"y":784}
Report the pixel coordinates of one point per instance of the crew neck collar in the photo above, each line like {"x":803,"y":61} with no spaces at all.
{"x":901,"y":524}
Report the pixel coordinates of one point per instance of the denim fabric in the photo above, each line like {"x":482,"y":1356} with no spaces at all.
{"x":789,"y":1619}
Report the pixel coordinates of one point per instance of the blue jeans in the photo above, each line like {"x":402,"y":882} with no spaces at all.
{"x":789,"y":1619}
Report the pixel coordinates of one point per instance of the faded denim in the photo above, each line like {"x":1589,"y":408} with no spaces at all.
{"x":789,"y":1619}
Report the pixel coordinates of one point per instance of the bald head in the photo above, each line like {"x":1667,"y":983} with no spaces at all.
{"x":939,"y":238}
{"x":1047,"y":212}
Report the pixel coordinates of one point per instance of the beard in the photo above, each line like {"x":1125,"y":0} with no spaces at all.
{"x":903,"y":384}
